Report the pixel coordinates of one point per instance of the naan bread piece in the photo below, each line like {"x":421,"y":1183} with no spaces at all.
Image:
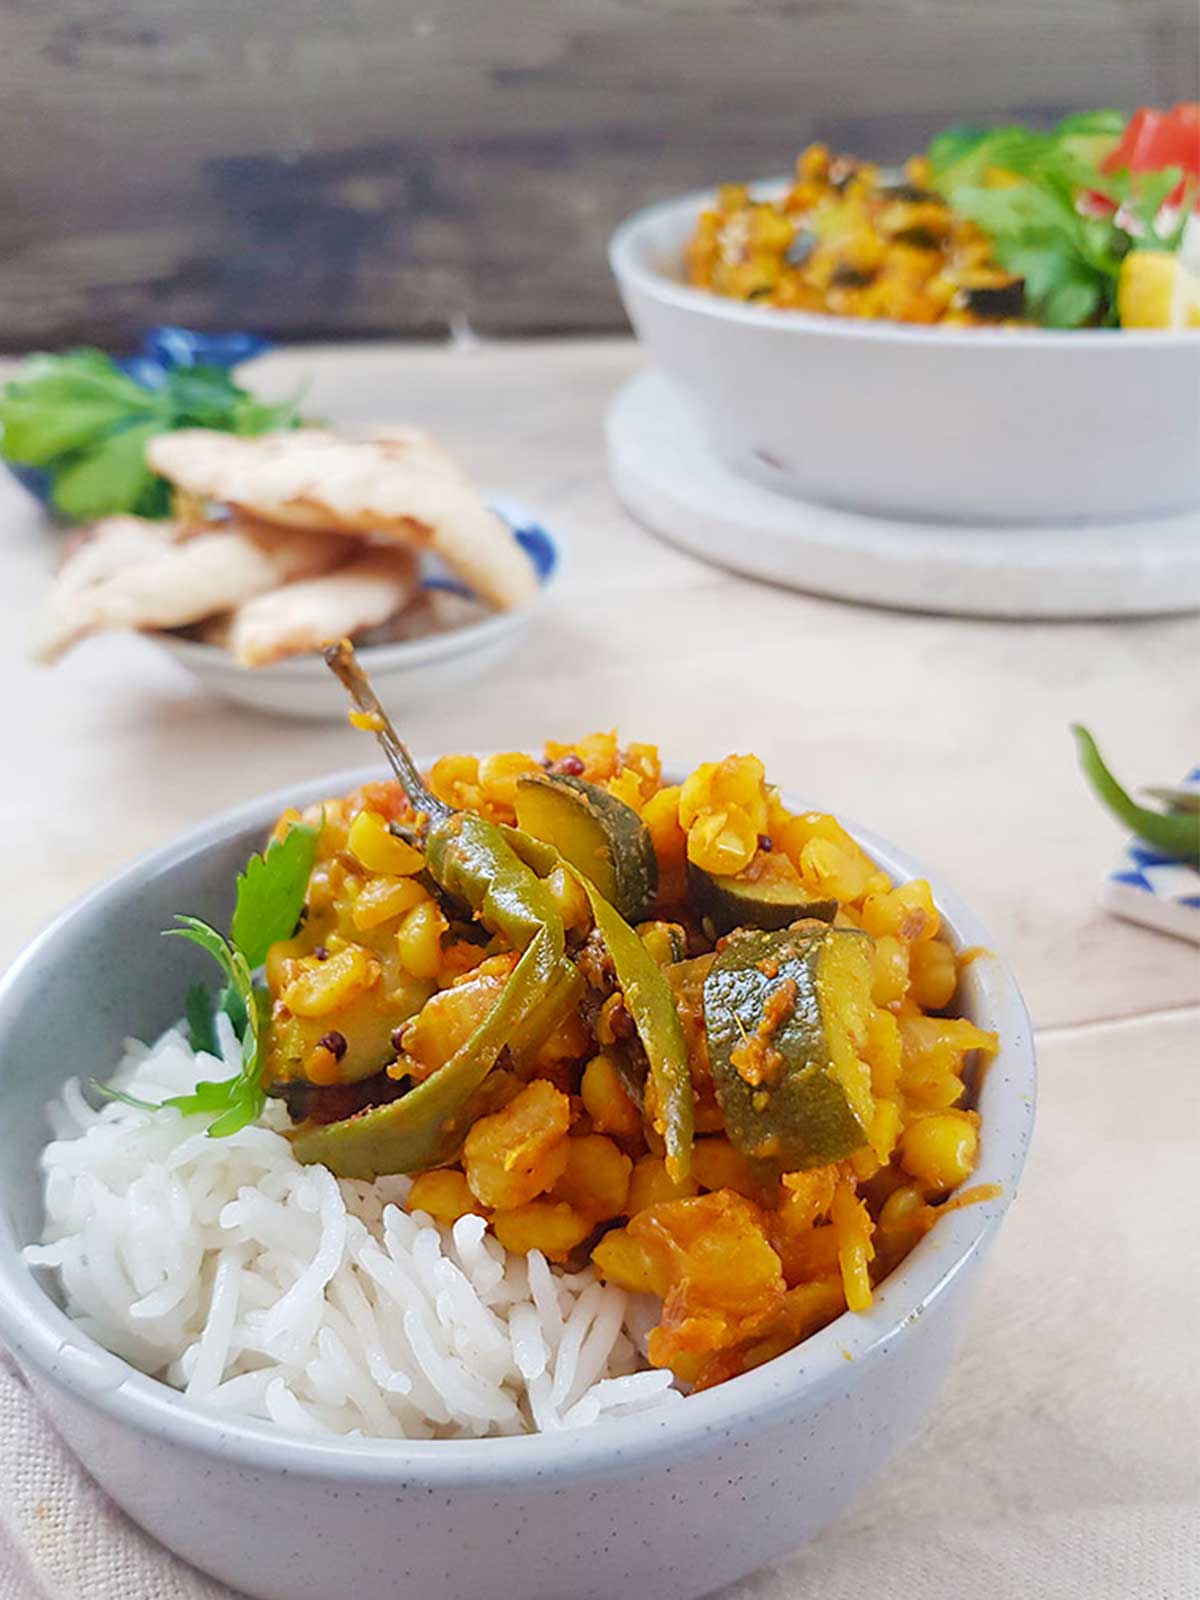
{"x":304,"y":616}
{"x":395,"y":483}
{"x":174,"y":584}
{"x":95,"y":553}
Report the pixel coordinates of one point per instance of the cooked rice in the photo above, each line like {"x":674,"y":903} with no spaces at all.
{"x":267,"y":1288}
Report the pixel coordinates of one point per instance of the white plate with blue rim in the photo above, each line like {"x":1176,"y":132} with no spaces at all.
{"x":1149,"y":887}
{"x":467,"y":642}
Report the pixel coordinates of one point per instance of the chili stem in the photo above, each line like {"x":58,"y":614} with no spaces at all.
{"x":344,"y":663}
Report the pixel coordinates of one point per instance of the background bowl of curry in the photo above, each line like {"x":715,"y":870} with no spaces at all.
{"x":973,"y":425}
{"x":627,"y":1506}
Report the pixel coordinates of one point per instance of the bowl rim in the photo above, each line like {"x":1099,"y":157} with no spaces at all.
{"x":628,"y":267}
{"x":403,"y":654}
{"x":55,"y":1348}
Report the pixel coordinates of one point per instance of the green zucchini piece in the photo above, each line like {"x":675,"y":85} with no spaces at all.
{"x":723,"y":904}
{"x":782,"y":1011}
{"x":666,"y":941}
{"x":599,"y":835}
{"x":366,"y":1027}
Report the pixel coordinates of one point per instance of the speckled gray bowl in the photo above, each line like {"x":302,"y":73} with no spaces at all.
{"x":671,"y":1509}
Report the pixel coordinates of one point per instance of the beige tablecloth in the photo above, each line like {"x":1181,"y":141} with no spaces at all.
{"x":1062,"y":1460}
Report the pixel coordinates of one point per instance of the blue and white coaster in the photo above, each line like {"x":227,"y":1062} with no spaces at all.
{"x":1150,"y":888}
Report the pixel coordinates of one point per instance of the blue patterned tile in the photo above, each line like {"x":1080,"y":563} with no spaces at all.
{"x":1148,"y":887}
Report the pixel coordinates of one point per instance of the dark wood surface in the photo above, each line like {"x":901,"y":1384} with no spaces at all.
{"x":381,"y":167}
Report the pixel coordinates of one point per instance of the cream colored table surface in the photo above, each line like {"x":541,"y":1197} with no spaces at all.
{"x":1061,"y":1461}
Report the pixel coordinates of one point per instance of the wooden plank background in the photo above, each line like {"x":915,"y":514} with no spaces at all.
{"x":382,"y":167}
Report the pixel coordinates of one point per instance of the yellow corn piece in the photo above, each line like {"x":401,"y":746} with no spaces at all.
{"x":651,"y":1183}
{"x":626,"y":1262}
{"x":379,"y":849}
{"x":595,"y":1181}
{"x":380,"y":899}
{"x":321,"y":987}
{"x":546,"y":1225}
{"x":419,"y":940}
{"x":444,"y":1193}
{"x":940,"y":1150}
{"x":722,"y":840}
{"x":498,"y":776}
{"x":606,"y":1100}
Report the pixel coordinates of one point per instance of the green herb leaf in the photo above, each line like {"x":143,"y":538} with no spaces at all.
{"x":198,"y":1009}
{"x":86,"y":423}
{"x":1021,"y":188}
{"x":234,"y":1007}
{"x":109,"y":1093}
{"x":110,"y":477}
{"x":238,"y":1100}
{"x":250,"y":416}
{"x":270,"y":893}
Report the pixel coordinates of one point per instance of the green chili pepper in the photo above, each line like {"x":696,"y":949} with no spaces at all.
{"x":647,"y":994}
{"x":425,"y":1127}
{"x":1175,"y":833}
{"x":471,"y":859}
{"x":652,"y":1007}
{"x":495,"y":870}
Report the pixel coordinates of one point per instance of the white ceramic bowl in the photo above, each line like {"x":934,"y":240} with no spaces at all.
{"x":966,"y":424}
{"x":672,"y":1507}
{"x":413,"y":672}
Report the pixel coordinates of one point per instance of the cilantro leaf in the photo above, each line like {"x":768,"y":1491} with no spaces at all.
{"x":270,"y":893}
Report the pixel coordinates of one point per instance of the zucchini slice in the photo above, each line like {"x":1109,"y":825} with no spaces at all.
{"x":723,"y":904}
{"x":784,"y":1014}
{"x":365,"y":1028}
{"x":598,"y":834}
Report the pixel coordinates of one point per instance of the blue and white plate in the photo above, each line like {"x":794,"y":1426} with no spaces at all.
{"x":411,"y":671}
{"x":1151,"y":888}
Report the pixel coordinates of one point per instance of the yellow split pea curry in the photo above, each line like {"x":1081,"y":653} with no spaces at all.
{"x":853,"y":240}
{"x":677,"y":1029}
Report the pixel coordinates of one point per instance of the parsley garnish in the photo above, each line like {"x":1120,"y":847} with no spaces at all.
{"x":270,"y":898}
{"x":87,"y":424}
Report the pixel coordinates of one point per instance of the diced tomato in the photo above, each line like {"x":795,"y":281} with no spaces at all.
{"x":1156,"y":139}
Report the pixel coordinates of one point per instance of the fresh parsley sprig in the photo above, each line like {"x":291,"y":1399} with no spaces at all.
{"x":1023,"y":189}
{"x":270,"y":898}
{"x":86,"y":424}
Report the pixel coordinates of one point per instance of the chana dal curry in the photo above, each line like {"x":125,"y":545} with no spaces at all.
{"x":675,"y":1029}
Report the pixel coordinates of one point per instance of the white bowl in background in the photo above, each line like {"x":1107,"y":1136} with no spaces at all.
{"x":672,"y":1506}
{"x":952,"y":424}
{"x":414,"y":671}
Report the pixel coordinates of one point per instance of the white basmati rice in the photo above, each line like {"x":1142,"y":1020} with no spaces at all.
{"x":264,"y":1287}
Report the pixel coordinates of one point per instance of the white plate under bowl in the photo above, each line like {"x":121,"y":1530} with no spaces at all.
{"x":665,"y":472}
{"x":410,"y":671}
{"x":952,"y":424}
